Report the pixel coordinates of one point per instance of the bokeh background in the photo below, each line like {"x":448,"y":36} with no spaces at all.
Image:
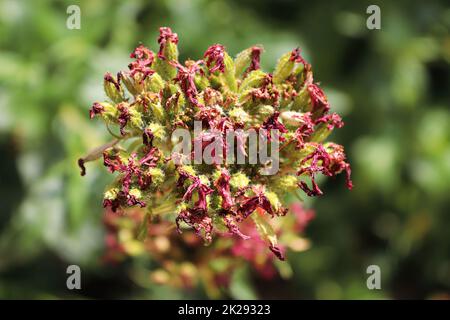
{"x":391,"y":86}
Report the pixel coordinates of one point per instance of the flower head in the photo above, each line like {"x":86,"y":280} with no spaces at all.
{"x":158,"y":95}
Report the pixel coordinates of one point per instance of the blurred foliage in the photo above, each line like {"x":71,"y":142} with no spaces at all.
{"x":391,"y":86}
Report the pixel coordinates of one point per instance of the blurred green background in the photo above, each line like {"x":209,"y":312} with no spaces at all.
{"x":391,"y":86}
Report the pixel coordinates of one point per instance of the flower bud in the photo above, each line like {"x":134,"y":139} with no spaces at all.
{"x":168,"y":51}
{"x":135,"y":193}
{"x":107,"y":111}
{"x":247,"y":61}
{"x":111,"y":194}
{"x":154,"y":83}
{"x":302,"y":101}
{"x":325,"y":126}
{"x":158,"y":132}
{"x":292,"y":118}
{"x":283,"y":69}
{"x":158,"y":176}
{"x":228,"y":77}
{"x":239,"y":180}
{"x":263,"y":112}
{"x":201,"y":82}
{"x":218,"y":61}
{"x":267,"y":234}
{"x":286,"y":65}
{"x":113,"y":88}
{"x":253,"y":80}
{"x":285,"y":183}
{"x":189,"y":170}
{"x":239,"y":115}
{"x":135,"y":119}
{"x":273,"y":199}
{"x":157,"y":111}
{"x":132,"y":82}
{"x":320,"y":133}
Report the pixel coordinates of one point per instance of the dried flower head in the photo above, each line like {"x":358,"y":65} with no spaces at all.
{"x":159,"y":95}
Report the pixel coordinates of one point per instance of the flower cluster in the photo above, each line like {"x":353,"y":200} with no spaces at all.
{"x":158,"y":94}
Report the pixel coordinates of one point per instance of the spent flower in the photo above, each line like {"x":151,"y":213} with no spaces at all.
{"x":158,"y":95}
